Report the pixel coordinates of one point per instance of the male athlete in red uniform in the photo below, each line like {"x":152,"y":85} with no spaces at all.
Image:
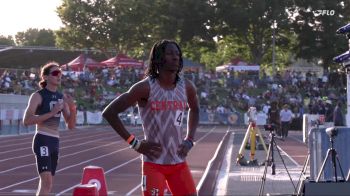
{"x":162,"y":98}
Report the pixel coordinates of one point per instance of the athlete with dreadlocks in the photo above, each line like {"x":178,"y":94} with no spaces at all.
{"x":162,"y":98}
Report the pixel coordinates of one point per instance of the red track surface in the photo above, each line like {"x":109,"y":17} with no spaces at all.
{"x":98,"y":146}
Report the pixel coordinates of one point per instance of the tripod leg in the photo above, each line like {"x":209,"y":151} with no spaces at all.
{"x":273,"y":165}
{"x":334,"y":164}
{"x":240,"y":155}
{"x":341,"y":169}
{"x":263,"y":178}
{"x":252,"y":142}
{"x":303,"y":171}
{"x":261,"y":139}
{"x":284,"y":164}
{"x":323,"y":164}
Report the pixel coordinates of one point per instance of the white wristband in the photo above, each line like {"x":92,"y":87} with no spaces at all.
{"x":138,"y":144}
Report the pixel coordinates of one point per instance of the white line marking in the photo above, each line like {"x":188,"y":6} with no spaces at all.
{"x":65,"y":168}
{"x":67,"y":155}
{"x":110,"y":170}
{"x":133,"y":190}
{"x":19,"y":149}
{"x":223,"y":177}
{"x":60,"y":148}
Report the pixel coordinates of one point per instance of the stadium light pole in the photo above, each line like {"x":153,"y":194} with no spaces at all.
{"x":274,"y":26}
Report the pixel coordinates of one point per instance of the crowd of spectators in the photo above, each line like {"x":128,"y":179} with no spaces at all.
{"x":219,"y":92}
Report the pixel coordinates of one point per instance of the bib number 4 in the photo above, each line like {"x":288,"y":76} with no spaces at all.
{"x":178,"y":118}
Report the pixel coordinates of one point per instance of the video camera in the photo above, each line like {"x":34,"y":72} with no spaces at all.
{"x":332,"y":132}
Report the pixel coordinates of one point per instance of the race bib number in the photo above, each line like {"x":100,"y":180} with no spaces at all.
{"x":44,"y":151}
{"x":178,"y":118}
{"x":52,"y":104}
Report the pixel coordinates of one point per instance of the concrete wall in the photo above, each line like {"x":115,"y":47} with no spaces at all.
{"x":9,"y":101}
{"x":12,"y":107}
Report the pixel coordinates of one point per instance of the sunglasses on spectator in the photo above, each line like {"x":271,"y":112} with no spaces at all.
{"x":56,"y":73}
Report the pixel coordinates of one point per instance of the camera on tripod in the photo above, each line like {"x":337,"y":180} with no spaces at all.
{"x":332,"y":132}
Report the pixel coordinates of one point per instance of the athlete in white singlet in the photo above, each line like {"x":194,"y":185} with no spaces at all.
{"x":162,"y":97}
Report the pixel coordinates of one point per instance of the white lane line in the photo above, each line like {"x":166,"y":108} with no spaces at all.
{"x":29,"y":146}
{"x":281,"y":174}
{"x":287,"y":155}
{"x":18,"y":149}
{"x":27,"y":136}
{"x":26,"y":191}
{"x":110,"y":170}
{"x":65,"y":168}
{"x":133,"y":190}
{"x":67,"y":155}
{"x":31,"y":139}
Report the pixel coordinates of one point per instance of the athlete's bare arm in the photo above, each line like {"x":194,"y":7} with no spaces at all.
{"x":29,"y":115}
{"x":193,"y":118}
{"x":193,"y":113}
{"x":138,"y":93}
{"x":69,"y":111}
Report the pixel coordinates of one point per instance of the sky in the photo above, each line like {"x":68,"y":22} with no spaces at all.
{"x":20,"y":15}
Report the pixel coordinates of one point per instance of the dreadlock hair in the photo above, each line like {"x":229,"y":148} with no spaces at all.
{"x":157,"y":59}
{"x":45,"y":71}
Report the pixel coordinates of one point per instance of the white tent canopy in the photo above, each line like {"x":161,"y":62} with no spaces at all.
{"x":231,"y":67}
{"x":237,"y":65}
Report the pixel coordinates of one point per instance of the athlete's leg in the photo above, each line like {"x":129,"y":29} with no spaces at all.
{"x":153,"y":181}
{"x":45,"y":149}
{"x":180,"y":181}
{"x":45,"y":183}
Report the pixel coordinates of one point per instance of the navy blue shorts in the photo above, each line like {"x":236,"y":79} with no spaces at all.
{"x":46,"y":150}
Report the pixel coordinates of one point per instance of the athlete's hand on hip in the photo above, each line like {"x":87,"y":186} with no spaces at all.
{"x":151,"y":149}
{"x":184,"y":148}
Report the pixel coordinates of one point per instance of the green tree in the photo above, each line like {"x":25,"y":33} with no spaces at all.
{"x":7,"y":40}
{"x":131,"y":25}
{"x":35,"y":37}
{"x":316,"y":29}
{"x":251,"y":22}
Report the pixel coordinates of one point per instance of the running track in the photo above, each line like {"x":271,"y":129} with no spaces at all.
{"x":98,"y":146}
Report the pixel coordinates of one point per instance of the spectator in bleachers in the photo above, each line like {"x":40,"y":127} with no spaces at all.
{"x":273,"y":117}
{"x":338,"y":117}
{"x":286,"y":116}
